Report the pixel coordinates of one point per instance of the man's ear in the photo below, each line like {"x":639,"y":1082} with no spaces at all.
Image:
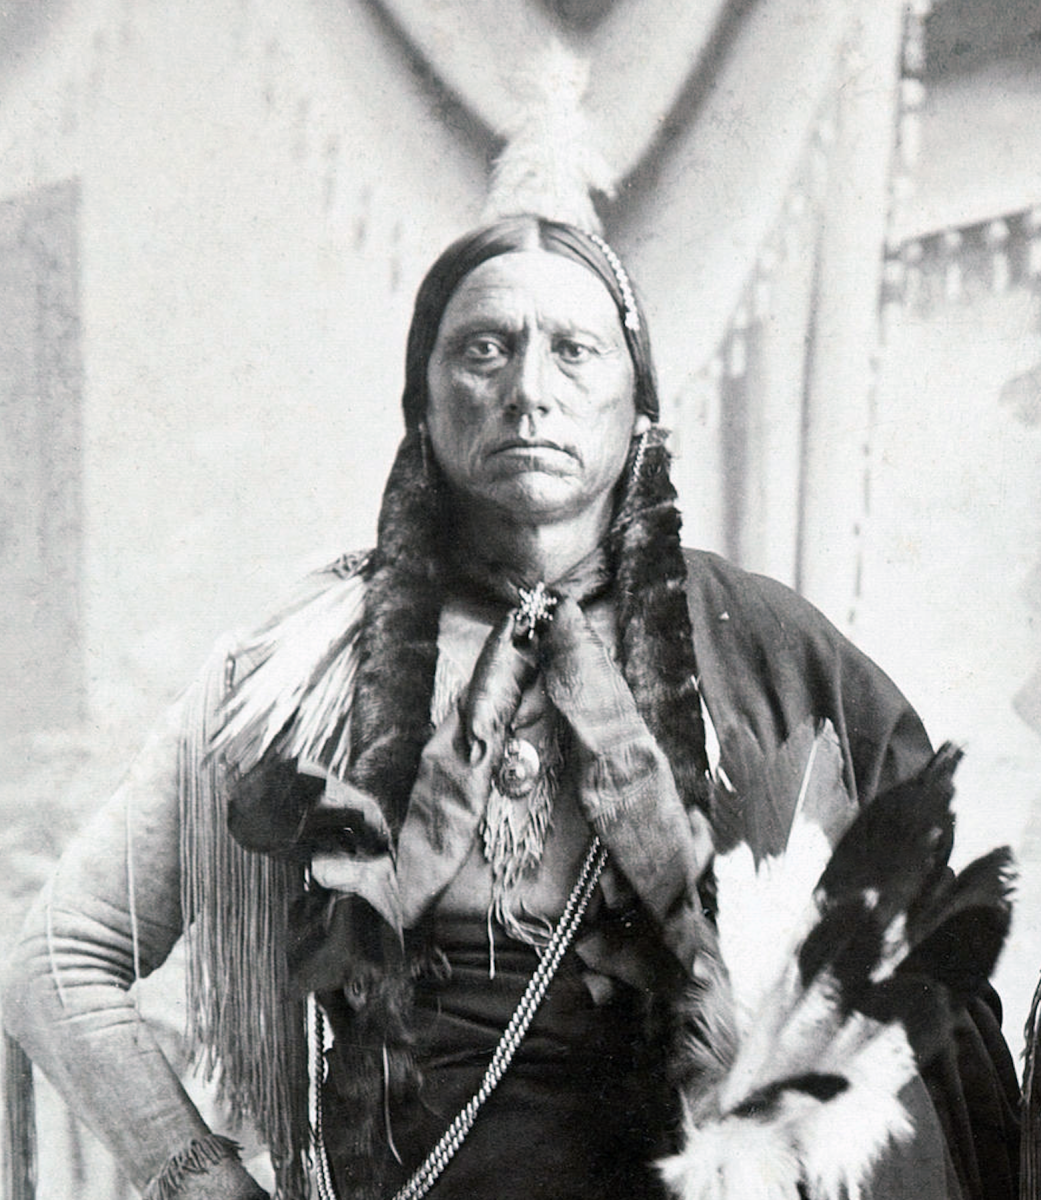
{"x":642,"y":423}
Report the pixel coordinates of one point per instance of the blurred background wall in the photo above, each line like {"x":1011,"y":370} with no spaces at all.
{"x":213,"y":219}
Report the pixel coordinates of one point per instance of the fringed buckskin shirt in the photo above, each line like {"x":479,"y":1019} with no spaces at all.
{"x":768,"y":664}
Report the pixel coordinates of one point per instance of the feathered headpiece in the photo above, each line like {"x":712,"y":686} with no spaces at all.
{"x":548,"y":165}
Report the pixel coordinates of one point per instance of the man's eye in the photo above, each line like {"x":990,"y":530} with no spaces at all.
{"x":570,"y":351}
{"x":483,"y":350}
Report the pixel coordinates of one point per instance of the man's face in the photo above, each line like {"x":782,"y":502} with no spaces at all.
{"x":530,"y":389}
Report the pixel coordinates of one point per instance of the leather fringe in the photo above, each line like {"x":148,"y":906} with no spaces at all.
{"x":292,"y":675}
{"x":243,"y":1021}
{"x":195,"y":1159}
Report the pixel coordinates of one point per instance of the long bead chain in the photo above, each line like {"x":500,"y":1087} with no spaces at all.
{"x":428,"y":1173}
{"x":320,"y":1160}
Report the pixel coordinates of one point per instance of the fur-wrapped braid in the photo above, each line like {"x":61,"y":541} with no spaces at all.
{"x":655,"y":635}
{"x":397,"y":650}
{"x":389,"y":725}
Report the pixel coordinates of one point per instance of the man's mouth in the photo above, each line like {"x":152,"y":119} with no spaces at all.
{"x":522,"y":445}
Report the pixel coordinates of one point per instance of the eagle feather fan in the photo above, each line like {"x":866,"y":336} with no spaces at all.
{"x":804,"y":1023}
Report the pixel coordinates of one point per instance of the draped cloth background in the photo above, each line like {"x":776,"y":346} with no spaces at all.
{"x":270,"y":161}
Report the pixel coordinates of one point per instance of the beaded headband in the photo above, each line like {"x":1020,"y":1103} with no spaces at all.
{"x":632,"y":317}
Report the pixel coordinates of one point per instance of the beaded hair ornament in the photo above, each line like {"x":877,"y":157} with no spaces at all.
{"x":631,"y":318}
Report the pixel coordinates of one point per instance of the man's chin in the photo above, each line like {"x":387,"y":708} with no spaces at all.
{"x":532,"y":494}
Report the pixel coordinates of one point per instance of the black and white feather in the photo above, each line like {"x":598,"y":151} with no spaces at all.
{"x":837,"y":976}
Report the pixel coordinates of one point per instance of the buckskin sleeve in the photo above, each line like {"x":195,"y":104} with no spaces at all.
{"x":112,"y":912}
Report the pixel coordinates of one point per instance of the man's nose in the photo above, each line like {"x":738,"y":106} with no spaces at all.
{"x":528,"y":386}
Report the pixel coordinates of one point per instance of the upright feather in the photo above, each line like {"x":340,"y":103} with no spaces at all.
{"x":550,"y":164}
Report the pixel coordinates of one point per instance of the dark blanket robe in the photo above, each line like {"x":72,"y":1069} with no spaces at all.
{"x":767,"y":662}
